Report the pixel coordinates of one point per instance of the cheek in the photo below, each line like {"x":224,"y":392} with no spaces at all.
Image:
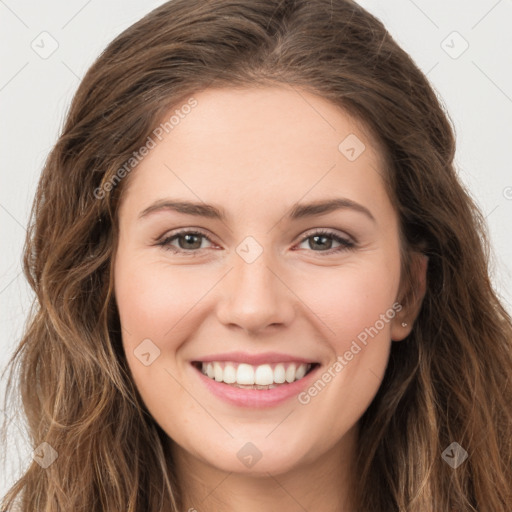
{"x":351,"y":298}
{"x":160,"y":303}
{"x":156,"y":303}
{"x":154,"y":299}
{"x":355,"y":306}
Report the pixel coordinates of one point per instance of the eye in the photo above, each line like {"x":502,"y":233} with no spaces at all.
{"x":189,"y":242}
{"x":323,"y":239}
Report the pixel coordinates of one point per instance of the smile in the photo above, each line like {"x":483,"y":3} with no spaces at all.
{"x":263,"y":376}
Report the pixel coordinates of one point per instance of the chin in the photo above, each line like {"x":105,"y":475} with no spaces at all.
{"x":256,"y":458}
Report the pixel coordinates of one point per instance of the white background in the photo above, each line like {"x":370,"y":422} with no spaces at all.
{"x":475,"y":87}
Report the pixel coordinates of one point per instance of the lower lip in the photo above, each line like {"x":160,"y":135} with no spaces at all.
{"x":256,"y":398}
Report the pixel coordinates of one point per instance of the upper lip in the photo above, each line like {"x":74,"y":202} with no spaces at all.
{"x":254,"y":359}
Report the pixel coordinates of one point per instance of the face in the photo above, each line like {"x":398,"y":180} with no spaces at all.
{"x":250,"y":285}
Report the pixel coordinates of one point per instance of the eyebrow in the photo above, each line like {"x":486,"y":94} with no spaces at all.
{"x":299,"y":211}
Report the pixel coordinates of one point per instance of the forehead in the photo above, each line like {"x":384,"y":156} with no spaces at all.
{"x":244,"y":145}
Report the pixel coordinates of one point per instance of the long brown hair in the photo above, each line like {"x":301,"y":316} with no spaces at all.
{"x":448,"y":382}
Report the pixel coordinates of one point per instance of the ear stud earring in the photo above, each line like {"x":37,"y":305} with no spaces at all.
{"x":404,"y":324}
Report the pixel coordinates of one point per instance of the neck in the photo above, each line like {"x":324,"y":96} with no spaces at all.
{"x":323,"y":484}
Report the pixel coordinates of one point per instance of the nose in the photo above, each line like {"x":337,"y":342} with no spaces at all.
{"x":255,"y":296}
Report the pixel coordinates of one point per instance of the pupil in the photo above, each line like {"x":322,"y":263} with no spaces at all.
{"x":188,"y":241}
{"x":316,"y":237}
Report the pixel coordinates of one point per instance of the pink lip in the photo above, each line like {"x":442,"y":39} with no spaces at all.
{"x":256,"y":398}
{"x":254,"y":359}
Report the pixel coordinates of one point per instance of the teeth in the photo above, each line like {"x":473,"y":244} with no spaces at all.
{"x":300,"y":372}
{"x":279,"y":374}
{"x":247,"y":375}
{"x":229,"y":375}
{"x":264,"y":375}
{"x":290,"y":373}
{"x":217,"y":372}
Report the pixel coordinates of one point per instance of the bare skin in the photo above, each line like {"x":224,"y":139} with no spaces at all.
{"x":255,"y":153}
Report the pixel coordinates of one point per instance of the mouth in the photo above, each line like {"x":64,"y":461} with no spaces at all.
{"x":261,"y":377}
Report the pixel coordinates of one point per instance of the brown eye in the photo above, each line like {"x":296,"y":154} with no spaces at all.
{"x":187,"y":241}
{"x":322,"y":241}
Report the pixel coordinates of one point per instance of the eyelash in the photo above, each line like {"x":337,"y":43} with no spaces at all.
{"x":344,"y":243}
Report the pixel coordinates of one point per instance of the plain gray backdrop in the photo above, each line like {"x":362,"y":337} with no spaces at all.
{"x":464,"y":47}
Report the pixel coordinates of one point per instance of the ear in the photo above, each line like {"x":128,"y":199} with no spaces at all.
{"x":411,"y":298}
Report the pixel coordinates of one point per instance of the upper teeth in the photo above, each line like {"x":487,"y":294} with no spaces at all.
{"x":262,"y":375}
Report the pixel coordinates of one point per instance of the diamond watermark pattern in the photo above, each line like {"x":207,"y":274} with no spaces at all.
{"x":351,"y":147}
{"x":249,"y":249}
{"x":454,"y":455}
{"x":45,"y":455}
{"x":454,"y":45}
{"x":249,"y":455}
{"x":45,"y":45}
{"x":146,"y":352}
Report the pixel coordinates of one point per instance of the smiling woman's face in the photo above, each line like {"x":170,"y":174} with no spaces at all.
{"x":267,"y":284}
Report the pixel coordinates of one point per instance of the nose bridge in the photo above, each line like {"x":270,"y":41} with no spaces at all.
{"x":254,"y":296}
{"x":252,"y":278}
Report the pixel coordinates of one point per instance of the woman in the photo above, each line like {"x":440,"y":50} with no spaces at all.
{"x":195,"y":345}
